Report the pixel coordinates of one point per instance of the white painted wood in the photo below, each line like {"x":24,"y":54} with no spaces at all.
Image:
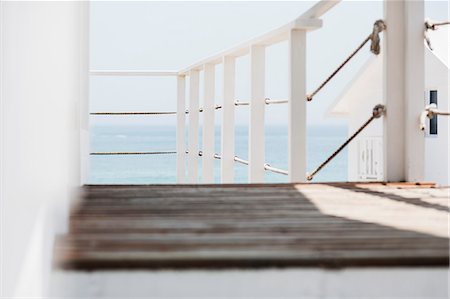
{"x":393,"y":91}
{"x":181,"y":124}
{"x":267,"y":39}
{"x":403,"y":83}
{"x":193,"y":126}
{"x":256,"y":146}
{"x":414,"y":90}
{"x":149,"y":73}
{"x":208,"y":124}
{"x":297,"y":106}
{"x":227,"y":144}
{"x":319,"y":9}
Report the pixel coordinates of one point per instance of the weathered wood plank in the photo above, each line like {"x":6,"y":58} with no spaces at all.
{"x":277,"y":225}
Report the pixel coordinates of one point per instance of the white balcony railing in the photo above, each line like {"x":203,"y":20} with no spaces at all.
{"x":295,"y":33}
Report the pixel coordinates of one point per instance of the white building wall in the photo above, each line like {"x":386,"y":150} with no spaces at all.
{"x":43,"y":87}
{"x":437,"y":148}
{"x":358,"y":101}
{"x":360,"y":112}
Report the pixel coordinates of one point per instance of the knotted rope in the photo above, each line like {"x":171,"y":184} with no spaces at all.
{"x":430,"y":111}
{"x":377,"y":112}
{"x":432,"y":26}
{"x":378,"y":27}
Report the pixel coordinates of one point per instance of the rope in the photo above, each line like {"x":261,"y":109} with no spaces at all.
{"x":201,"y":109}
{"x":132,"y":153}
{"x":432,"y":26}
{"x":270,"y":101}
{"x":239,"y":160}
{"x":240,"y":103}
{"x":377,"y":112}
{"x":133,"y":113}
{"x":276,"y":170}
{"x":430,"y":111}
{"x":217,"y":107}
{"x":378,"y":27}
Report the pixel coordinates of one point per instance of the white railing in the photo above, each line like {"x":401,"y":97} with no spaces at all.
{"x":403,"y":146}
{"x":295,"y":34}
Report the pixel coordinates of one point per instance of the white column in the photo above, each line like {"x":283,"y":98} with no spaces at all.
{"x":208,"y":124}
{"x":193,"y":126}
{"x":256,"y":144}
{"x":403,"y":90}
{"x":227,"y":152}
{"x":297,"y":106}
{"x":181,"y":119}
{"x":414,"y":90}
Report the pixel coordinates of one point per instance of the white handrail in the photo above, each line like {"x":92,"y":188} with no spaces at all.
{"x":145,"y":73}
{"x":307,"y":21}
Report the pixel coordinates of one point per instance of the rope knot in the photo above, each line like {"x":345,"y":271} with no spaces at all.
{"x":429,"y":25}
{"x":378,"y":27}
{"x":378,"y":111}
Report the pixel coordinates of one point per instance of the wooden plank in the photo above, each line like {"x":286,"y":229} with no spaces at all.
{"x":281,"y":225}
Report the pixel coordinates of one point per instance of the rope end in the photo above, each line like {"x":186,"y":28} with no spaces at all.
{"x":309,"y":97}
{"x":309,"y":177}
{"x":378,"y":111}
{"x":378,"y":27}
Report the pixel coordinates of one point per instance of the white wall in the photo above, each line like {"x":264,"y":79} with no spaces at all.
{"x":43,"y":88}
{"x":361,"y":102}
{"x":360,"y":112}
{"x":437,"y":147}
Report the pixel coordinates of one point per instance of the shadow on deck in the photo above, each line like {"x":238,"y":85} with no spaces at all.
{"x":254,"y":226}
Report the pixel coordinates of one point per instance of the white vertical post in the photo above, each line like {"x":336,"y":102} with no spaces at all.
{"x":415,"y":90}
{"x":193,"y":126}
{"x":227,"y":152}
{"x":297,"y":106}
{"x":404,"y":85}
{"x":208,"y":124}
{"x":256,"y":144}
{"x":181,"y":119}
{"x":393,"y":91}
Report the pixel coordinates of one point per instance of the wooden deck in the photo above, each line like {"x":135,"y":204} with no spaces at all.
{"x":247,"y":226}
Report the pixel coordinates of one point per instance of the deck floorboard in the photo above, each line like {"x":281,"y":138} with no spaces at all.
{"x":248,"y":226}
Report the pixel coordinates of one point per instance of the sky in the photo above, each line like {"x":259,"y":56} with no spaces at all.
{"x":172,"y":35}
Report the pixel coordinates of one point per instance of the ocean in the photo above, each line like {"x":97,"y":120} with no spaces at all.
{"x":161,"y":169}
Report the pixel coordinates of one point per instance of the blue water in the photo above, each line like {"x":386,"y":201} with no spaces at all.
{"x":161,"y":169}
